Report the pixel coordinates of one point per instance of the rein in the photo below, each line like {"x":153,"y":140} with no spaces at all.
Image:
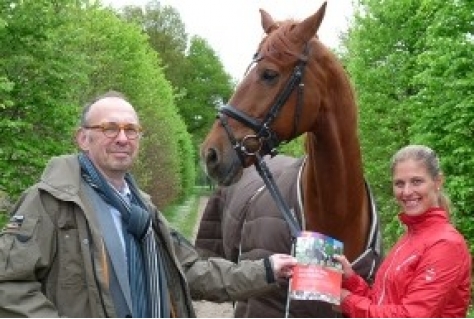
{"x":265,"y":141}
{"x":287,"y":213}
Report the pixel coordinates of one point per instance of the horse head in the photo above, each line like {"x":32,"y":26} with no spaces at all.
{"x":289,"y":83}
{"x":296,"y":85}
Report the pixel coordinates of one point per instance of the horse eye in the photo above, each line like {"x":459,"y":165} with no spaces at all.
{"x":269,"y":75}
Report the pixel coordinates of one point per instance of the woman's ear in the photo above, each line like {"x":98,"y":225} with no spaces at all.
{"x":439,"y":181}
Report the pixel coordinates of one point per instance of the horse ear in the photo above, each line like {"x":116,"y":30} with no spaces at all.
{"x":268,"y":24}
{"x":309,"y":27}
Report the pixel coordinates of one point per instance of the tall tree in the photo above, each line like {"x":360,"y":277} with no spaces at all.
{"x":41,"y":76}
{"x":409,"y":62}
{"x":198,"y":77}
{"x":167,"y":35}
{"x":380,"y":52}
{"x":51,"y":67}
{"x":445,"y":104}
{"x":207,"y":85}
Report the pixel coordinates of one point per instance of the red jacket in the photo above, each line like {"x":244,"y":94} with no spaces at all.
{"x":426,"y":274}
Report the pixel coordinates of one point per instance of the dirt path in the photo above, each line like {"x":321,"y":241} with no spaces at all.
{"x":207,"y":309}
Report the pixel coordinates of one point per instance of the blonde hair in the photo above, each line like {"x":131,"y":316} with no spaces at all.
{"x":430,"y":160}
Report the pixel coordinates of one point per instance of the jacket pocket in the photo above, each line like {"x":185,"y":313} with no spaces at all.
{"x":70,"y":258}
{"x":72,"y":248}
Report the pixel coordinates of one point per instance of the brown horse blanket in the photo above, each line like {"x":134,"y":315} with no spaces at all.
{"x":242,"y":221}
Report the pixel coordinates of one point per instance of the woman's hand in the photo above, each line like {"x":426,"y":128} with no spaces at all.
{"x":344,"y":294}
{"x":346,"y":266}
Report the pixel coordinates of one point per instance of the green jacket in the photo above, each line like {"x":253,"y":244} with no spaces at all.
{"x":53,"y":261}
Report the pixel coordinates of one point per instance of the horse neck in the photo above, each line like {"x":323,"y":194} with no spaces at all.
{"x":334,"y":189}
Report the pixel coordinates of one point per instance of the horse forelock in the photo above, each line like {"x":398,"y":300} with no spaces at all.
{"x":281,"y":46}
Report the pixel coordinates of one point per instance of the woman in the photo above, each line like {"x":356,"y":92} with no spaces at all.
{"x":428,"y":271}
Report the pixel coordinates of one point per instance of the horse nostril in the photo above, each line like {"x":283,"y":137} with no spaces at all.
{"x":212,"y":159}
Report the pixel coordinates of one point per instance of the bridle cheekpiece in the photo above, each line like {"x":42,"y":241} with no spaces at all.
{"x":265,"y":141}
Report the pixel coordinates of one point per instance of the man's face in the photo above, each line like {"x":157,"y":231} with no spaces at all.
{"x":113,"y":156}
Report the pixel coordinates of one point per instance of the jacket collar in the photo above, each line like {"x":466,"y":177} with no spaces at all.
{"x":434,"y":215}
{"x":62,"y":177}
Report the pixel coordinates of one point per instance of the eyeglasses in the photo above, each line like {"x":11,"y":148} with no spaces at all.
{"x":112,"y":129}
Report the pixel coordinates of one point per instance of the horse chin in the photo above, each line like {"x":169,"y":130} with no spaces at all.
{"x":231,"y":178}
{"x":226,"y":174}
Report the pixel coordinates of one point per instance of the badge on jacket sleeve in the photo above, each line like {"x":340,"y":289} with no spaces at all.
{"x":14,"y":224}
{"x":430,"y":274}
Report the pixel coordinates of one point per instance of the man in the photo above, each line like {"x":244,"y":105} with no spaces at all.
{"x":86,"y":242}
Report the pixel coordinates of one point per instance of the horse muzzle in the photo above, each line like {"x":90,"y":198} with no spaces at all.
{"x":223,"y":167}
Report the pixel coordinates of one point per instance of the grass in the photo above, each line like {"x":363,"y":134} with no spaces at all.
{"x":185,"y":215}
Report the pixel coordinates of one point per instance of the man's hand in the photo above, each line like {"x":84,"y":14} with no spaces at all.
{"x":282,"y":265}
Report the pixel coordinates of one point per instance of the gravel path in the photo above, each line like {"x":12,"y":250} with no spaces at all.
{"x":207,"y":309}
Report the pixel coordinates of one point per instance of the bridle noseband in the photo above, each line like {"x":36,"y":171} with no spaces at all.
{"x":265,"y":141}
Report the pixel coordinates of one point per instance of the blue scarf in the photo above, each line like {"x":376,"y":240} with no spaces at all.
{"x":147,"y":278}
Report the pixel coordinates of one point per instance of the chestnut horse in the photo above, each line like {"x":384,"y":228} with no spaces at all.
{"x":295,"y":85}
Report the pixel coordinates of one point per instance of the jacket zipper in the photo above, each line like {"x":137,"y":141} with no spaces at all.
{"x":384,"y":281}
